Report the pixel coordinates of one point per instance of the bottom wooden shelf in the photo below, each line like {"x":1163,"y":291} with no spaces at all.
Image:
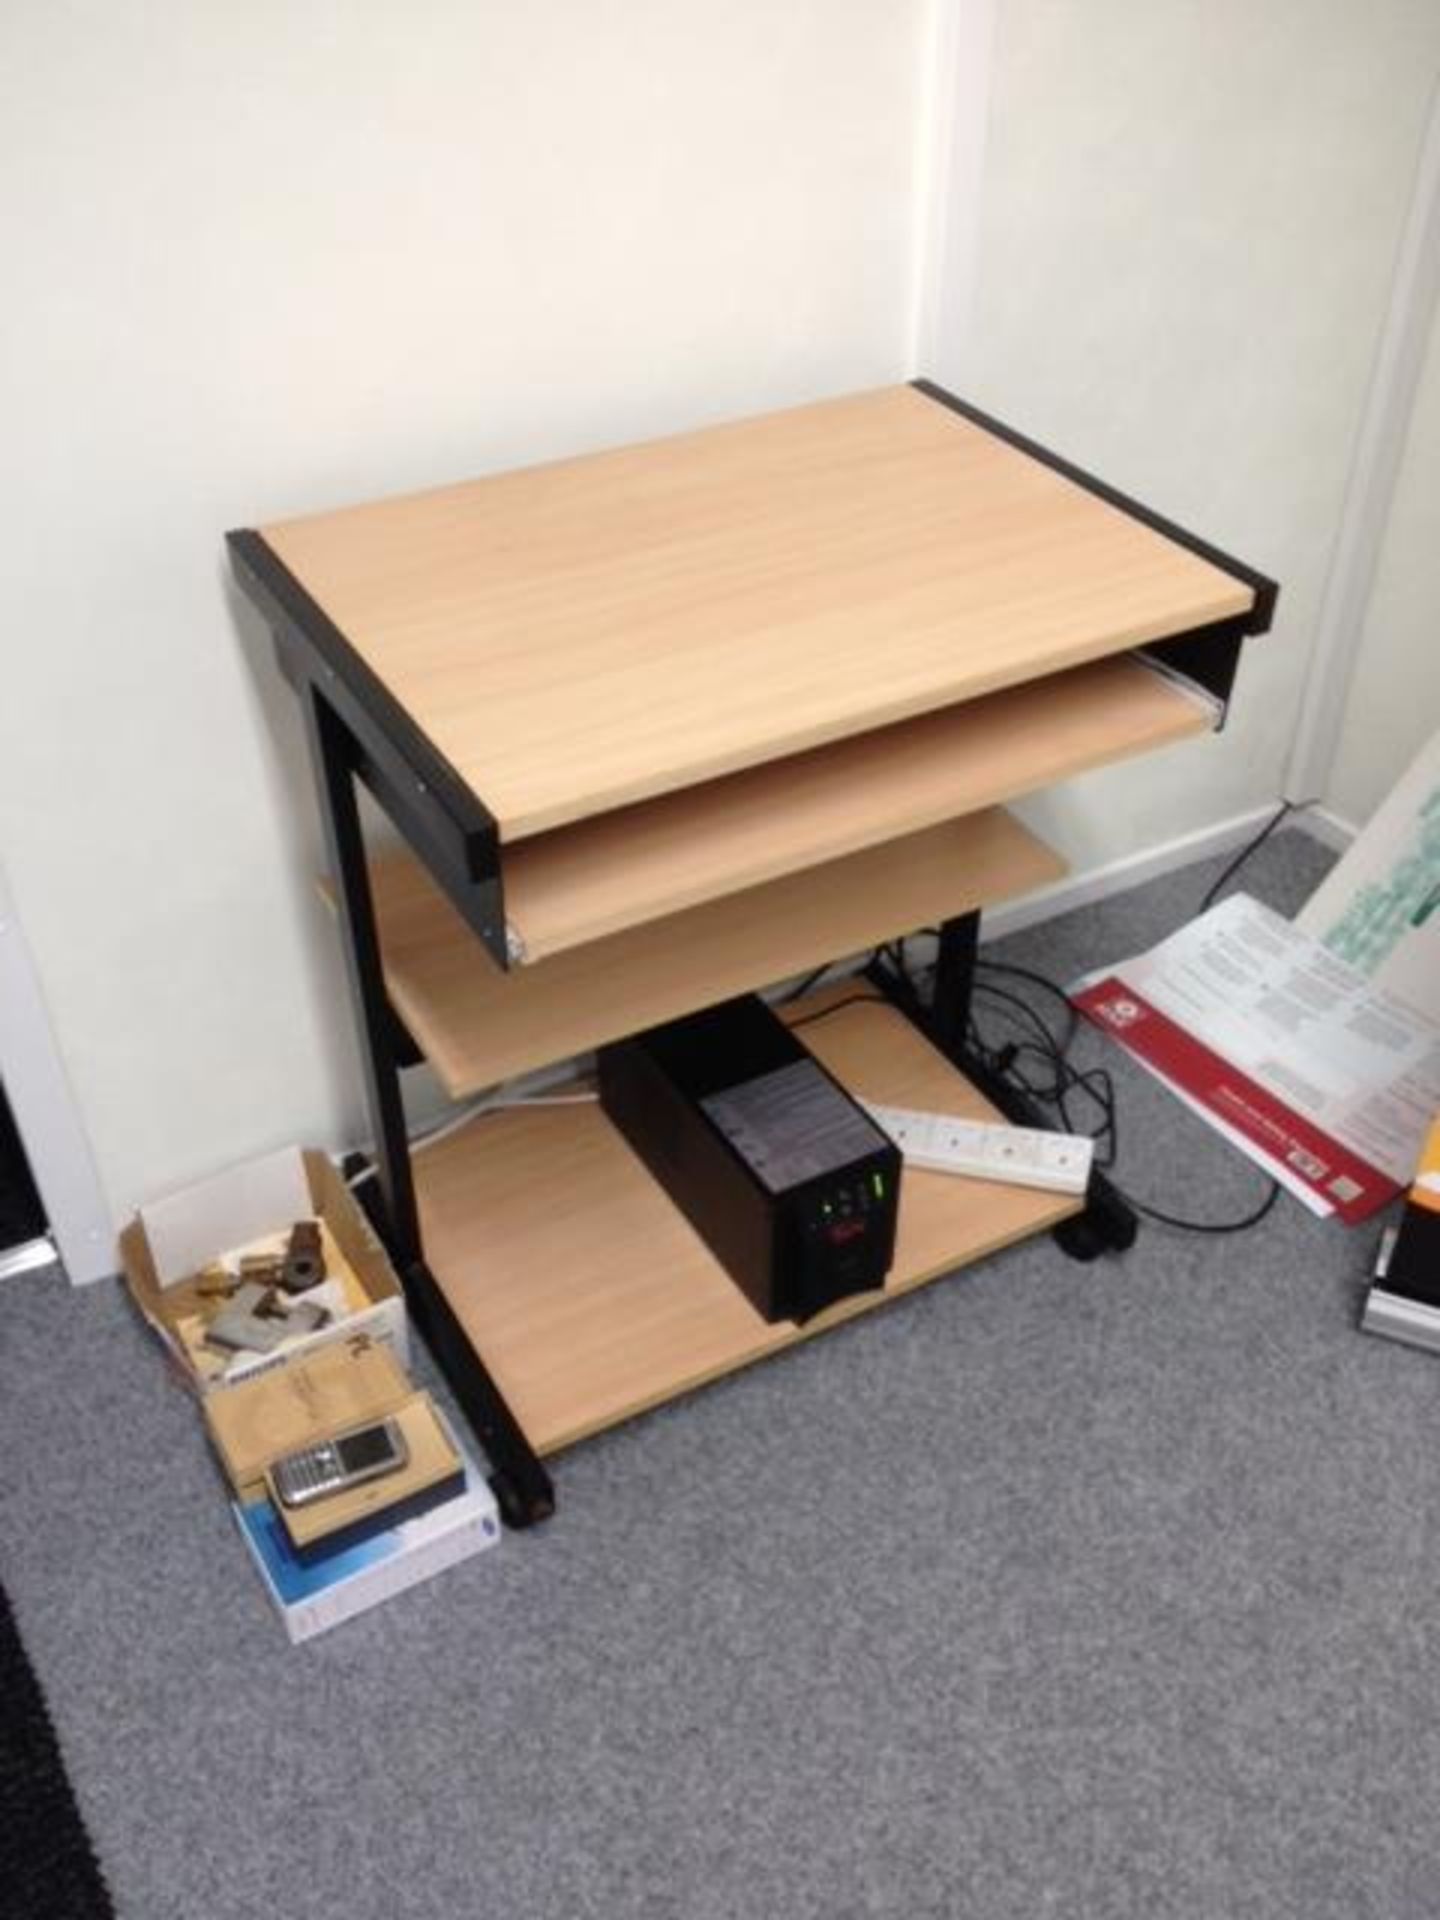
{"x":591,"y":1297}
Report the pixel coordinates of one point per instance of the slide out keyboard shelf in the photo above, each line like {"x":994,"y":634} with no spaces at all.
{"x":617,"y":870}
{"x":476,"y":1025}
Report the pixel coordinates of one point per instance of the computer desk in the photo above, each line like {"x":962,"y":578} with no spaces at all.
{"x":669,"y":723}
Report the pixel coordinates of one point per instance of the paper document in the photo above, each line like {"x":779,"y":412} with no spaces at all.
{"x":1380,"y":907}
{"x":1310,"y":1066}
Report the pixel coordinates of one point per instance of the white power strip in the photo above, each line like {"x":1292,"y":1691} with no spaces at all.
{"x":1018,"y":1156}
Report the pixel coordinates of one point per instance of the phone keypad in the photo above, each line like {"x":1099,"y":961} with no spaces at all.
{"x":304,"y":1476}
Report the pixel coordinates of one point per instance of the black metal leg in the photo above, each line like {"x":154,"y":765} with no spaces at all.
{"x":521,"y":1483}
{"x":955,"y":982}
{"x":346,"y":849}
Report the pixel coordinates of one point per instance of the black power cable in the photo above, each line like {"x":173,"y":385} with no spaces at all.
{"x":837,"y":1006}
{"x":1282,"y":812}
{"x":1202,"y":1226}
{"x":1059,"y":1082}
{"x":1053,"y":1081}
{"x":1066,"y":1081}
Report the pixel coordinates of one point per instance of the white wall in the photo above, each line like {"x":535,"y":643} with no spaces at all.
{"x":272,"y":257}
{"x":1394,"y":703}
{"x":1189,"y":220}
{"x":278,"y":257}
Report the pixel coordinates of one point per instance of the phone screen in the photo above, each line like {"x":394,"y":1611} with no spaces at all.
{"x":368,"y":1449}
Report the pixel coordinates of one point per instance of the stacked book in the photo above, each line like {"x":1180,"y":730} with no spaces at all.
{"x":1404,"y":1299}
{"x":335,"y":1527}
{"x":320,"y":1590}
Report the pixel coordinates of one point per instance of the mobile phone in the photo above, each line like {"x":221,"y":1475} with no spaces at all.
{"x":331,"y":1466}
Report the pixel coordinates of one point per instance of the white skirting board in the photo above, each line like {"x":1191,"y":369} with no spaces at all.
{"x":1328,"y":828}
{"x":28,"y":1257}
{"x":1116,"y":876}
{"x":1133,"y":870}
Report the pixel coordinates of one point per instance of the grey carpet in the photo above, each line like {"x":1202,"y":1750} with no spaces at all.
{"x":1102,"y":1591}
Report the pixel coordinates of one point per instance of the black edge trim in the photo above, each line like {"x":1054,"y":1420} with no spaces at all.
{"x":1266,"y":591}
{"x":1209,"y":656}
{"x":442,"y":817}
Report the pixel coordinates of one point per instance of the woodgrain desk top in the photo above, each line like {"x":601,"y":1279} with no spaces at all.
{"x":578,"y":636}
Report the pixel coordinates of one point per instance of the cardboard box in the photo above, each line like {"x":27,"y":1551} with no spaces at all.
{"x":350,"y":1384}
{"x":165,"y":1248}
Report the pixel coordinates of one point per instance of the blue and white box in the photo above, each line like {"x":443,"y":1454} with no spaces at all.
{"x":320,"y":1591}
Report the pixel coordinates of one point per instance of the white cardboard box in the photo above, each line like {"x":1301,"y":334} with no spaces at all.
{"x":170,"y":1240}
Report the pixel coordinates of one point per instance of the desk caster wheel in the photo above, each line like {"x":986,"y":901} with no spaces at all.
{"x":1080,"y":1238}
{"x":1108,"y":1224}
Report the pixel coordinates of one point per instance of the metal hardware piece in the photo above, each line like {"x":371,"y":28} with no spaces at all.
{"x":303,"y":1265}
{"x":263,"y":1269}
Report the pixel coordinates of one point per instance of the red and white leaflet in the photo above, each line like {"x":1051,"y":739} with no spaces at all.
{"x":1295,"y":1055}
{"x":1277,"y":1169}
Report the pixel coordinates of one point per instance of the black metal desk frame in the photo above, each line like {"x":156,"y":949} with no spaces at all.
{"x":356,"y":730}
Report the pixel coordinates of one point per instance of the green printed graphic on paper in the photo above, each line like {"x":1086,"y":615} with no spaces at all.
{"x":1384,"y":911}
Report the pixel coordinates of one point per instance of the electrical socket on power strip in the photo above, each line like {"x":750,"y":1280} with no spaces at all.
{"x":1015,"y":1156}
